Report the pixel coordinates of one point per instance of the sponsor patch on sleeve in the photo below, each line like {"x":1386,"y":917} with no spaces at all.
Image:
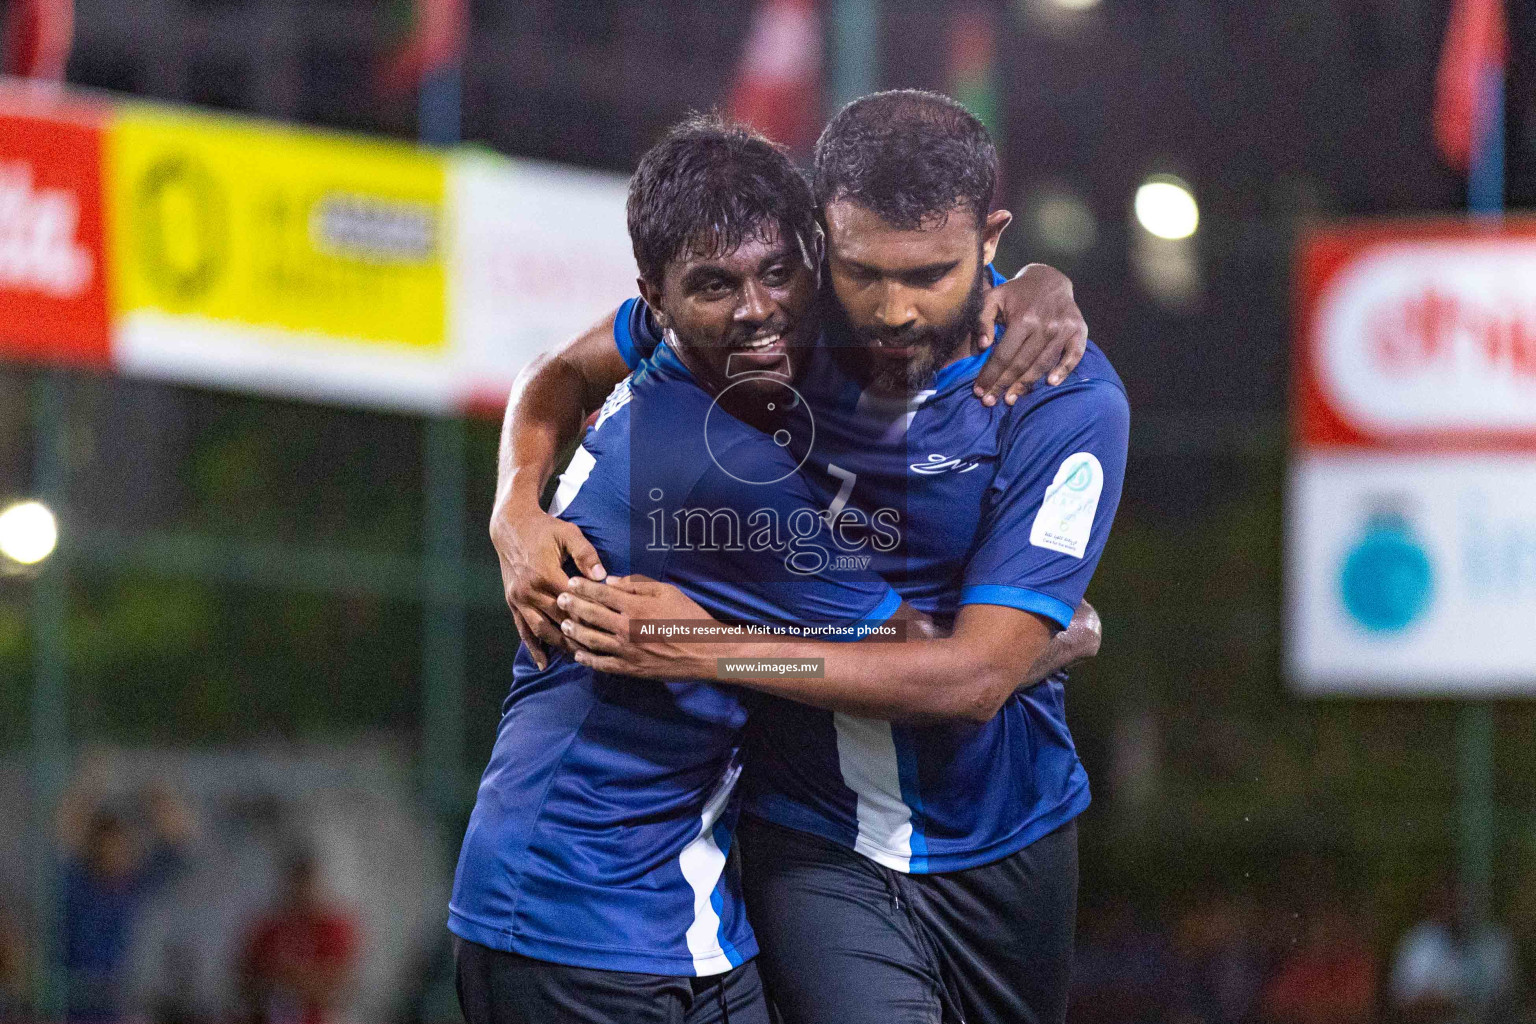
{"x":1065,"y":520}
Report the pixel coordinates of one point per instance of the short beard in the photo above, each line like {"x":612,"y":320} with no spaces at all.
{"x":935,"y":346}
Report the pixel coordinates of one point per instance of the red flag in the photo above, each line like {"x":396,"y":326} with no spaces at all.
{"x":778,"y":83}
{"x":436,"y":41}
{"x":1476,"y":47}
{"x":38,"y":37}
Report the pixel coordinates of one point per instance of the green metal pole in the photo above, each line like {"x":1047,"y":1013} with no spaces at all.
{"x":855,"y":50}
{"x":1474,"y":728}
{"x":1485,"y":199}
{"x":443,"y":625}
{"x":49,"y":711}
{"x":443,"y":637}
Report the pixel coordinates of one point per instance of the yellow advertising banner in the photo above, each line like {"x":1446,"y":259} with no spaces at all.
{"x":328,"y":237}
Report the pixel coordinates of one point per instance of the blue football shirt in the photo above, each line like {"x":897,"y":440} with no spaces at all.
{"x":602,"y":827}
{"x":953,"y":503}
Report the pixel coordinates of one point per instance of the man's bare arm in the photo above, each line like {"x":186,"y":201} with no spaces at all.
{"x":965,"y":676}
{"x":550,"y":400}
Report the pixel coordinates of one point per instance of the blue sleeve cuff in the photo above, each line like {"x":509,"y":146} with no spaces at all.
{"x":876,"y":615}
{"x":623,"y":338}
{"x":997,"y":278}
{"x":1058,"y":612}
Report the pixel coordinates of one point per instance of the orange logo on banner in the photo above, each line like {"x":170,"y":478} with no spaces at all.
{"x":53,"y":297}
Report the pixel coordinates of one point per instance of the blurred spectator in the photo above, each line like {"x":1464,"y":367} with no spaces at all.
{"x":13,"y":971}
{"x":299,"y":960}
{"x":1451,"y":968}
{"x":1219,"y":967}
{"x":110,"y":870}
{"x":1330,"y":978}
{"x":1122,"y":973}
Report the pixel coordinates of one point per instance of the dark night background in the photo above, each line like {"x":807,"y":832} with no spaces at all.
{"x":1208,"y":772}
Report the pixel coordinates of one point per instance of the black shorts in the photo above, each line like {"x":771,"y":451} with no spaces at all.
{"x":846,"y":941}
{"x":506,"y":988}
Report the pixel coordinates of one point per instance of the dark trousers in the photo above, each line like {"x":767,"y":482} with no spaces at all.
{"x":505,"y":988}
{"x":846,"y":941}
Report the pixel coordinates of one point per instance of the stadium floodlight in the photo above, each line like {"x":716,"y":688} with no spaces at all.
{"x":1166,"y":207}
{"x":28,"y":532}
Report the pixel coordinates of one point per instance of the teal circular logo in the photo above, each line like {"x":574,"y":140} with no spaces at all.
{"x":1387,"y":580}
{"x":1081,"y":477}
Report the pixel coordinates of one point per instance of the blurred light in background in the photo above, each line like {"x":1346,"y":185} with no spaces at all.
{"x":1166,"y":207}
{"x":1061,"y":222}
{"x":1066,"y":18}
{"x":1163,"y":249}
{"x":28,"y":532}
{"x":1168,"y":268}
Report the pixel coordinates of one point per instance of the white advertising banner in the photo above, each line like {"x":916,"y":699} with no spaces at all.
{"x":540,"y":253}
{"x":1413,"y":574}
{"x":1411,"y":515}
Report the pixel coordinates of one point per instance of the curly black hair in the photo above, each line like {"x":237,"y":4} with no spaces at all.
{"x":909,"y":156}
{"x":709,"y":186}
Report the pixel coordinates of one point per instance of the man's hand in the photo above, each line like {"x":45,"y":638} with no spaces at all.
{"x":1078,"y":642}
{"x":598,"y":622}
{"x":1043,"y":328}
{"x":1085,"y":633}
{"x":550,"y":398}
{"x":532,"y":546}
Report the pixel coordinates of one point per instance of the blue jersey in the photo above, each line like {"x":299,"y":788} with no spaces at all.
{"x":603,"y":822}
{"x":1002,"y":505}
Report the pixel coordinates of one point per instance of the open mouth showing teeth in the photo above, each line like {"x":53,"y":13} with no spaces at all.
{"x":762,"y":343}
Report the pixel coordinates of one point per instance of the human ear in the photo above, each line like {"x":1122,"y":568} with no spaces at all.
{"x":992,"y":232}
{"x":652,"y":295}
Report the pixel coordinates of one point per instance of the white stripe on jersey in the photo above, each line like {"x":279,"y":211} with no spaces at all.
{"x":866,"y":755}
{"x":571,"y":480}
{"x":701,"y":862}
{"x":896,"y":412}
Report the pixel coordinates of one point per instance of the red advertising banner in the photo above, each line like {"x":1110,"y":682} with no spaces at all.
{"x":1417,"y":336}
{"x":53,"y":277}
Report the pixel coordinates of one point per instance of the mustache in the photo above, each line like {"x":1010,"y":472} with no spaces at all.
{"x":745,"y":335}
{"x":900,"y":336}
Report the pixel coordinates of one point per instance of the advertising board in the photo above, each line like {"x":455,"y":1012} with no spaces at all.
{"x":1411,"y":554}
